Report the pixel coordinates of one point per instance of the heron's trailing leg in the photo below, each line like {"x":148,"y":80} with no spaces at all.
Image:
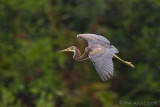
{"x":126,"y":62}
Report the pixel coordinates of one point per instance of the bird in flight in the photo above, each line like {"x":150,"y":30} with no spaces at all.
{"x":100,"y":52}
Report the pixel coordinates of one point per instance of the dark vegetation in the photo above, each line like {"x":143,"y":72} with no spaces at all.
{"x":32,"y":74}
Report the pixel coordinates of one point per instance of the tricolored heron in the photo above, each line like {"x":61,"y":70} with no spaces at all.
{"x":100,"y":52}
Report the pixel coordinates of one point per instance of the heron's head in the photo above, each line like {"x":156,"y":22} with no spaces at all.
{"x":71,"y":48}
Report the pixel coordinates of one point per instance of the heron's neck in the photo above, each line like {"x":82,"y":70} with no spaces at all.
{"x":77,"y":54}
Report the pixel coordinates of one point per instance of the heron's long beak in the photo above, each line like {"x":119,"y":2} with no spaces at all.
{"x":68,"y":49}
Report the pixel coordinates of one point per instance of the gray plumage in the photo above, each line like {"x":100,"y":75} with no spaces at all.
{"x":101,"y":54}
{"x":94,"y":39}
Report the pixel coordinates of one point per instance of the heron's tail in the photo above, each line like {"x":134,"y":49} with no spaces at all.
{"x":126,"y":62}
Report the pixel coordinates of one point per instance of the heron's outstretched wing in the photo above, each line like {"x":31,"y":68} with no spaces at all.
{"x":102,"y":60}
{"x":94,"y":39}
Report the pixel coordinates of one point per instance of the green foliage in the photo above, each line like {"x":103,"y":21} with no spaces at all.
{"x":107,"y":98}
{"x":32,"y":74}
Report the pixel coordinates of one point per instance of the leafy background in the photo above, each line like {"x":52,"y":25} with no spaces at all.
{"x":32,"y":74}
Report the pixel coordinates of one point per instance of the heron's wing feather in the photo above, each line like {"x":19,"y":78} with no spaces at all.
{"x":94,"y":39}
{"x":103,"y":62}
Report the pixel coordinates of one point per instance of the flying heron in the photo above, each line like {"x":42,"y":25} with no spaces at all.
{"x":100,"y":52}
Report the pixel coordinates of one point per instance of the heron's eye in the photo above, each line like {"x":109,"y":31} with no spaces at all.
{"x":69,"y":49}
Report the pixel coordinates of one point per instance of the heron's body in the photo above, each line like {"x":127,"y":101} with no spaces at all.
{"x":100,"y":52}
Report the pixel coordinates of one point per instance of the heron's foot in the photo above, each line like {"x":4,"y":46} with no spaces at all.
{"x":129,"y":64}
